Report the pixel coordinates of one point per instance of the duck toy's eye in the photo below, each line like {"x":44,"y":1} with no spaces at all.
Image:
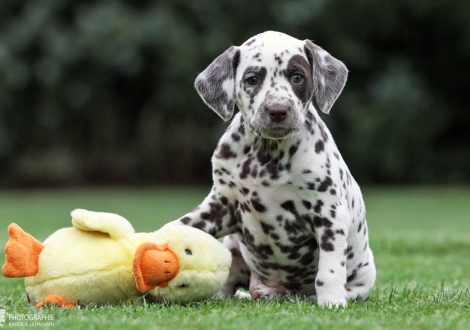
{"x":184,"y":285}
{"x":188,"y":252}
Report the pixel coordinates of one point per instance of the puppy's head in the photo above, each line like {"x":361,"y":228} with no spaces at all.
{"x":272,"y":78}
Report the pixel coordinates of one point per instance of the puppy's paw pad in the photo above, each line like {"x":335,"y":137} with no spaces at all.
{"x":262,"y":292}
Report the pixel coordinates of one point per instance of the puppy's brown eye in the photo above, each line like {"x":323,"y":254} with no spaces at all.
{"x":253,"y":80}
{"x":297,"y":78}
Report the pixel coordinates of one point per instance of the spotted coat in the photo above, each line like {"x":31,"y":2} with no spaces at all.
{"x":293,"y":216}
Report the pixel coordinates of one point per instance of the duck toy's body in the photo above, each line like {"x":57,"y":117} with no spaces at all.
{"x":101,"y":260}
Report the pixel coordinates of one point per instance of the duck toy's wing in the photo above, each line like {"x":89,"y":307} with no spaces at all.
{"x":109,"y":223}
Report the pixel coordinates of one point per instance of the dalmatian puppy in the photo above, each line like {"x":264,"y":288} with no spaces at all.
{"x":293,"y":216}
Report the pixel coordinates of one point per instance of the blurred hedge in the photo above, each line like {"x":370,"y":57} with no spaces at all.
{"x":101,"y":92}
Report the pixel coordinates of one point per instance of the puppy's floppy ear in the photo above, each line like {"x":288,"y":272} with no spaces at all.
{"x":216,"y":84}
{"x":329,"y":75}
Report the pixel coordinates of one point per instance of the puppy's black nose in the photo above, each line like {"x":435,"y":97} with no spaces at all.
{"x":277,"y":113}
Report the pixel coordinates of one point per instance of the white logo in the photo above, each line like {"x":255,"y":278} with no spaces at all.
{"x":26,"y":320}
{"x":3,"y":317}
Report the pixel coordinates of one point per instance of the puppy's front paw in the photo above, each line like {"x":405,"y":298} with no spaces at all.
{"x":331,"y":302}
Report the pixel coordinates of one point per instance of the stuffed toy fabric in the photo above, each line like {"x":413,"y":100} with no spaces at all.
{"x":101,"y":260}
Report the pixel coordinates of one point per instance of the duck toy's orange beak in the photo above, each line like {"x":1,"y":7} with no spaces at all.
{"x":154,"y":265}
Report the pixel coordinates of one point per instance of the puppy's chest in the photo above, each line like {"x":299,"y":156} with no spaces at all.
{"x":271,"y":195}
{"x":270,"y":173}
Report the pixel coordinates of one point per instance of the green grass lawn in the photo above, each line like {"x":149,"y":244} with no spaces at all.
{"x":420,"y":238}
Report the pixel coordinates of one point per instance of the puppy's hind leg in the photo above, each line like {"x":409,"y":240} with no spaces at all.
{"x":239,"y":276}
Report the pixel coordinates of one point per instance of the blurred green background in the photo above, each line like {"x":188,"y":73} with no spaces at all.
{"x":98,"y":96}
{"x":101,"y":92}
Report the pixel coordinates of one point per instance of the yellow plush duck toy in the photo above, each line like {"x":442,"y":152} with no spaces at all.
{"x":101,"y":260}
